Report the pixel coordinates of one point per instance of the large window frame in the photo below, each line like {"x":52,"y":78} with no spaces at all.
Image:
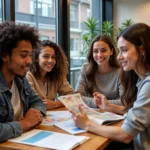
{"x":100,"y":8}
{"x":9,"y":10}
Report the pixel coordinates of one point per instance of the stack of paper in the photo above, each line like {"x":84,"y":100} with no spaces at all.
{"x":53,"y":140}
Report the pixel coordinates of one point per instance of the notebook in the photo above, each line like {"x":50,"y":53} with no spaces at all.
{"x":48,"y":139}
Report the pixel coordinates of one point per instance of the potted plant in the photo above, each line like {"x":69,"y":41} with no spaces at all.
{"x":93,"y":29}
{"x":91,"y":26}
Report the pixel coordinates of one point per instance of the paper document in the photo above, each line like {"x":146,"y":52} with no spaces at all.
{"x":52,"y":140}
{"x":69,"y":126}
{"x":53,"y":117}
{"x":74,"y":100}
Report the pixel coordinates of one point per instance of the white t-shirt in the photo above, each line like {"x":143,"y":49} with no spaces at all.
{"x":16,"y":102}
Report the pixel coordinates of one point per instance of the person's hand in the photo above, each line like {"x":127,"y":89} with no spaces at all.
{"x":50,"y":104}
{"x":32,"y":118}
{"x":80,"y":119}
{"x":101,"y":101}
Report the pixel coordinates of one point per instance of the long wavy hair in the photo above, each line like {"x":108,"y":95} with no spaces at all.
{"x":139,"y":35}
{"x":92,"y":65}
{"x":60,"y":69}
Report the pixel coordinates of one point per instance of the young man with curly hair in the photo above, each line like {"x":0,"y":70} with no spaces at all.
{"x":20,"y":107}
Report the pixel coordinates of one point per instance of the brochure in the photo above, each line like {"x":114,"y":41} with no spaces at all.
{"x":74,"y":100}
{"x":48,"y":139}
{"x":53,"y":117}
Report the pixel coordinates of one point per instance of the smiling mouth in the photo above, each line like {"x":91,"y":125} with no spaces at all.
{"x":26,"y":68}
{"x":101,"y":59}
{"x":123,"y":64}
{"x":49,"y":66}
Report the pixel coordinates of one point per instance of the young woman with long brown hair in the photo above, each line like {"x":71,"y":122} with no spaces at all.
{"x":48,"y":73}
{"x":134,"y":56}
{"x":101,"y":73}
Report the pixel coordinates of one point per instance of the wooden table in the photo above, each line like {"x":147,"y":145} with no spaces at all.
{"x":95,"y":142}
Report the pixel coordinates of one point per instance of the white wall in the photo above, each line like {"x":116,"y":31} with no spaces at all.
{"x":137,"y":10}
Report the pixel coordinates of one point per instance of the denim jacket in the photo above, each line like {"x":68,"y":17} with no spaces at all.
{"x":8,"y":127}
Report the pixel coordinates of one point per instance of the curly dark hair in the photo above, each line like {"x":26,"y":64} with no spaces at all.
{"x":139,"y":35}
{"x":11,"y":33}
{"x":60,"y":69}
{"x":92,"y":67}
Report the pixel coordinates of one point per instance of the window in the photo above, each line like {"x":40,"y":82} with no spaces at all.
{"x":46,"y":25}
{"x":43,"y":37}
{"x":53,"y":39}
{"x":71,"y":44}
{"x":76,"y":28}
{"x":74,"y":44}
{"x":79,"y":12}
{"x":73,"y":11}
{"x":16,"y":5}
{"x":45,"y":8}
{"x":32,"y":7}
{"x":88,"y":12}
{"x":1,"y":11}
{"x":39,"y":9}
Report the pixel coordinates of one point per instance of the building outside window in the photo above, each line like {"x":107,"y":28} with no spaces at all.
{"x":74,"y":45}
{"x":43,"y":20}
{"x":45,"y":8}
{"x":73,"y":12}
{"x":79,"y":12}
{"x":88,"y":12}
{"x":41,"y":14}
{"x":43,"y":37}
{"x":53,"y":39}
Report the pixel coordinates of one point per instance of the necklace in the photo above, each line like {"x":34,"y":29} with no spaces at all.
{"x":45,"y":84}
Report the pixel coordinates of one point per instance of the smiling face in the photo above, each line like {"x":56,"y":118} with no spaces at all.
{"x":19,"y":61}
{"x":47,"y":59}
{"x":128,"y":55}
{"x":101,"y":53}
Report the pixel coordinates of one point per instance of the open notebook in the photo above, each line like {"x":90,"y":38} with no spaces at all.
{"x":74,"y":100}
{"x":52,"y":140}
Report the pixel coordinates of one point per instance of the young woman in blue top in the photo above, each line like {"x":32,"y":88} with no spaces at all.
{"x":134,"y":56}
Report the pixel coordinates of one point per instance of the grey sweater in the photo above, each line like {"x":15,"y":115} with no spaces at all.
{"x":137,"y":122}
{"x":108,"y":84}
